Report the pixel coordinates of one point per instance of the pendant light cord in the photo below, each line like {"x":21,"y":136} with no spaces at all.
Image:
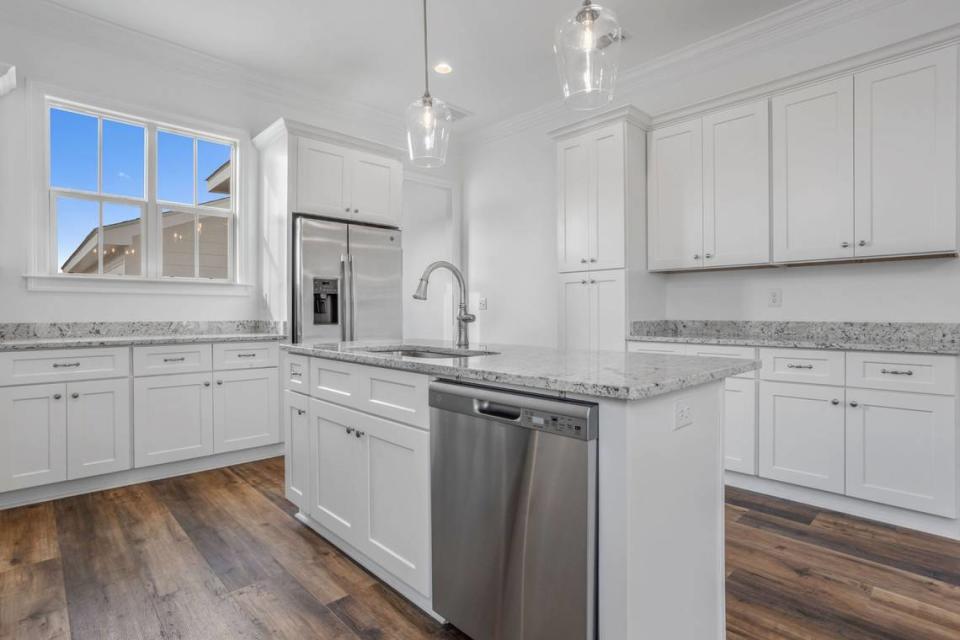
{"x":426,"y":58}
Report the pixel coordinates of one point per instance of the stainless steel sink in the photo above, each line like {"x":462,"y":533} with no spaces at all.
{"x":412,"y":351}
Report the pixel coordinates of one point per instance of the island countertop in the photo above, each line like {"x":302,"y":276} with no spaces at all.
{"x":603,"y":374}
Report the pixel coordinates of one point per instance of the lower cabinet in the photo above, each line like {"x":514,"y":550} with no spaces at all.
{"x":370,"y":485}
{"x":901,"y":450}
{"x":173,"y":418}
{"x":802,"y":435}
{"x":296,"y":426}
{"x":33,"y":435}
{"x":245,"y":409}
{"x":740,"y":425}
{"x":98,"y":427}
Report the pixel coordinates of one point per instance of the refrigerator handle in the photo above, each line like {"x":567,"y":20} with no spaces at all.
{"x":342,"y":298}
{"x":353,"y":300}
{"x":297,"y":329}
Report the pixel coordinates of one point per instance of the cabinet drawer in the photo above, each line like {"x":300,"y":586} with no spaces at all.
{"x":724,"y":351}
{"x":179,"y":358}
{"x":28,"y":367}
{"x":245,"y":355}
{"x":902,"y":372}
{"x":334,"y":381}
{"x":671,"y":348}
{"x":296,"y":373}
{"x":802,"y":365}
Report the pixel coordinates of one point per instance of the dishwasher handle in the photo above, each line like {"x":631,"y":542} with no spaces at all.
{"x":496,"y":410}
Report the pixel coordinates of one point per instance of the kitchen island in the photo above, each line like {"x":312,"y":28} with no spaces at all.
{"x":660,"y":551}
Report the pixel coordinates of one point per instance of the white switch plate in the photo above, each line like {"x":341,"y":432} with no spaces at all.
{"x":775,"y":298}
{"x":483,"y":303}
{"x":682,"y":414}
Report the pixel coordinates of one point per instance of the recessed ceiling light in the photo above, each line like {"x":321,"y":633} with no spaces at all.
{"x":443,"y":68}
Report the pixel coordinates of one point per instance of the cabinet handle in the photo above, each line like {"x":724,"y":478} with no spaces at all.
{"x":300,"y":412}
{"x":296,"y":374}
{"x":854,"y":403}
{"x":180,"y":359}
{"x":58,"y":365}
{"x":708,"y":256}
{"x":74,"y":395}
{"x":844,"y":244}
{"x":834,"y":402}
{"x":862,"y":243}
{"x":207,"y":383}
{"x":799,"y":366}
{"x":57,"y":396}
{"x":349,"y":430}
{"x":246,"y":355}
{"x":896,"y":372}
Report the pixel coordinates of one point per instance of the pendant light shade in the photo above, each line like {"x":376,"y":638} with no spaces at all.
{"x":588,"y":51}
{"x":428,"y":120}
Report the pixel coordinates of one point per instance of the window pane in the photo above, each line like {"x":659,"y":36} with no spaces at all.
{"x":214,"y":235}
{"x":73,"y":150}
{"x":123,"y":159}
{"x":174,"y":168}
{"x":213,"y":174}
{"x":178,"y":243}
{"x":77,"y":238}
{"x":122,"y":233}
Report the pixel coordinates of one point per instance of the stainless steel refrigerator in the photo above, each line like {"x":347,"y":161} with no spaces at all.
{"x":346,"y":281}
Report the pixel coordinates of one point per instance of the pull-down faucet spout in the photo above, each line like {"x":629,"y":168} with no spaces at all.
{"x":463,"y":317}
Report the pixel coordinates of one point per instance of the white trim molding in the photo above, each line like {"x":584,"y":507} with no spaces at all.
{"x":8,"y":78}
{"x":131,"y":285}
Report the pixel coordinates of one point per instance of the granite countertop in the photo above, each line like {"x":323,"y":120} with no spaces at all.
{"x":604,"y":374}
{"x":76,"y":342}
{"x":893,"y":337}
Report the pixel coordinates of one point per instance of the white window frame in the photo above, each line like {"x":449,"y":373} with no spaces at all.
{"x":42,"y":270}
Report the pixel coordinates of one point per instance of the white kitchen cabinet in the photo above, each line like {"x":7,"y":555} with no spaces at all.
{"x":906,"y":156}
{"x":801,"y":434}
{"x":346,"y":183}
{"x":591,"y":180}
{"x":812,"y":168}
{"x":336,"y":460}
{"x":98,"y":427}
{"x":173,"y":418}
{"x":33,"y":435}
{"x":740,"y":425}
{"x":296,"y":421}
{"x":675,"y":197}
{"x":736,"y":186}
{"x":901,"y":450}
{"x":245,"y":409}
{"x":593,"y":310}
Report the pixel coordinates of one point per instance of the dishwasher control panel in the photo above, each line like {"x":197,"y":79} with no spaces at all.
{"x":554,"y":423}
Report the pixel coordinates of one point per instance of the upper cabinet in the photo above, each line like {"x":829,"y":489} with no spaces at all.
{"x":709,"y":191}
{"x":345,"y":183}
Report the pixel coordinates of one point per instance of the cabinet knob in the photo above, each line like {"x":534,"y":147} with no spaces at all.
{"x":356,"y":210}
{"x":347,"y":209}
{"x":219,"y":382}
{"x":593,"y":259}
{"x":844,"y":244}
{"x":834,"y":402}
{"x":854,"y":403}
{"x":583,"y":261}
{"x":696,"y":256}
{"x":708,"y":256}
{"x":207,"y":383}
{"x":349,"y":430}
{"x":74,"y":395}
{"x":862,"y":243}
{"x":359,"y":433}
{"x":593,"y":282}
{"x":57,"y":396}
{"x":583,"y":282}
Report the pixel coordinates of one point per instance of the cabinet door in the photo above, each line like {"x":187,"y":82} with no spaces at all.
{"x":396,"y":499}
{"x":802,"y":435}
{"x":813,"y":172}
{"x":172,"y":418}
{"x":736,"y":186}
{"x":906,"y":150}
{"x":98,"y":427}
{"x":375,"y":189}
{"x":607,"y":198}
{"x":901,"y":450}
{"x":740,"y":425}
{"x":573,"y":232}
{"x":33,"y":436}
{"x":336,"y":461}
{"x":608,"y":312}
{"x":245,"y":411}
{"x":296,"y":420}
{"x":575,"y":311}
{"x":322,"y":178}
{"x":675,"y":192}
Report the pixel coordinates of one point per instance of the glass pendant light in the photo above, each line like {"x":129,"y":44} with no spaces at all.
{"x":588,"y":50}
{"x":428,"y":120}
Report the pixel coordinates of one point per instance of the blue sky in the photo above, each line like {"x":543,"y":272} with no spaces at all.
{"x":73,"y":165}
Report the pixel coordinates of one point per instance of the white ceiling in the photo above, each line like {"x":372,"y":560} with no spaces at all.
{"x":370,"y":51}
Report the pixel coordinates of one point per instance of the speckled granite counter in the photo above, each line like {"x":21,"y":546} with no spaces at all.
{"x":70,"y":335}
{"x":607,"y":374}
{"x":900,"y":337}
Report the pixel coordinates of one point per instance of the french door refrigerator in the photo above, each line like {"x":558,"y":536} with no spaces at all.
{"x":346,"y":281}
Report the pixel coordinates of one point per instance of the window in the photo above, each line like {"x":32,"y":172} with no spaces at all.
{"x":135,"y":198}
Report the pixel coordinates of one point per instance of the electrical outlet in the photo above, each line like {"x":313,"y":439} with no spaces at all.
{"x":775,"y":298}
{"x":682,"y":414}
{"x":483,"y":303}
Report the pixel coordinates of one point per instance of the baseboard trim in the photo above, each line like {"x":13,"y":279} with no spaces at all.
{"x":69,"y":488}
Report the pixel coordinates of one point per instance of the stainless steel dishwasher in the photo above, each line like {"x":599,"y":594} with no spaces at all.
{"x":514,"y":485}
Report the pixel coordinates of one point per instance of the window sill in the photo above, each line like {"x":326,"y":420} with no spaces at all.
{"x":108,"y":284}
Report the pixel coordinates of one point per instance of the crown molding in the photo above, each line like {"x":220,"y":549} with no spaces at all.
{"x":627,"y":113}
{"x":752,"y":38}
{"x":293,"y":127}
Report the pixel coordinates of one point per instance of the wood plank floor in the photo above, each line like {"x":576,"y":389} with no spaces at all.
{"x":219,"y":555}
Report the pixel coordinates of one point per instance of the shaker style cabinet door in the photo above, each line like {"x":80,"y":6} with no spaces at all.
{"x":375,"y":189}
{"x":98,"y":427}
{"x":172,"y":418}
{"x":336,"y":470}
{"x":574,"y":184}
{"x":906,"y":156}
{"x":813,"y":172}
{"x":736,"y":186}
{"x":33,"y":436}
{"x":740,"y":425}
{"x":675,"y":198}
{"x":607,"y":217}
{"x":245,"y":411}
{"x":323,"y":178}
{"x":296,"y":419}
{"x":608,"y":309}
{"x":576,"y":313}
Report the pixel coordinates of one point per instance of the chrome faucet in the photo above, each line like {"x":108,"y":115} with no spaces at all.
{"x":463,"y":317}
